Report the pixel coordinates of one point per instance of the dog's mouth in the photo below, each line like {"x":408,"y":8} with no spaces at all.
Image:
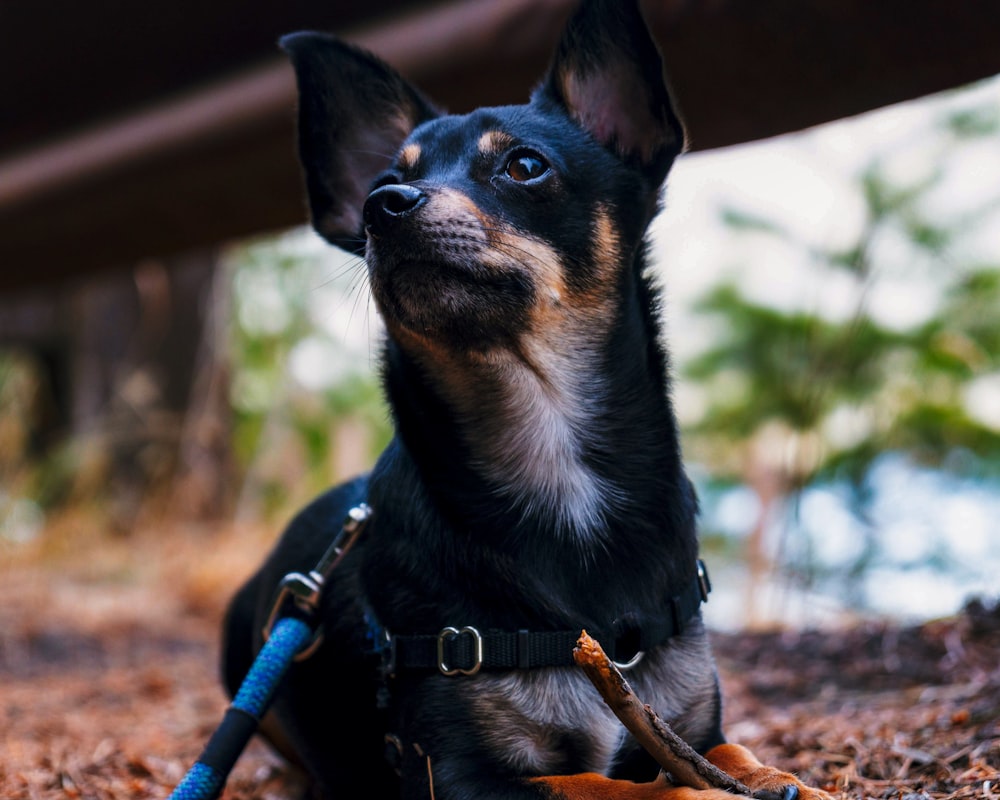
{"x":451,"y":300}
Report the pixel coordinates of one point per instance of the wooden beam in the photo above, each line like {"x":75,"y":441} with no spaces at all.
{"x":218,"y":164}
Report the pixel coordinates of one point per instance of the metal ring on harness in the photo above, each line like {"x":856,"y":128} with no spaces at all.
{"x":627,"y":665}
{"x":304,"y":591}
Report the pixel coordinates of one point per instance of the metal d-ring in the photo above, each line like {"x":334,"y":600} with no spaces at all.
{"x":624,"y":667}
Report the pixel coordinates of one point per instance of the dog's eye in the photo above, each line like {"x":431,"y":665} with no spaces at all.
{"x":526,"y":167}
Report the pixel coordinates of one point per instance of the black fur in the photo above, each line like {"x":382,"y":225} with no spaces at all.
{"x":535,"y":480}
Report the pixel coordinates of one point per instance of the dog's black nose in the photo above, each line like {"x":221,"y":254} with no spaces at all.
{"x":387,"y":204}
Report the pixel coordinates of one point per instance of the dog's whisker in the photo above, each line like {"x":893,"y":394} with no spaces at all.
{"x":388,"y":156}
{"x":349,"y":267}
{"x":360,"y":294}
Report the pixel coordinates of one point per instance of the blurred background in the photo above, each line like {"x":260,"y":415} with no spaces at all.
{"x":184,"y":363}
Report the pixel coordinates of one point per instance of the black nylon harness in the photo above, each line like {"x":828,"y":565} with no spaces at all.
{"x":467,"y":650}
{"x":456,"y":651}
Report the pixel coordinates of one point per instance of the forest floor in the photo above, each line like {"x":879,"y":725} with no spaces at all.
{"x":109,"y":689}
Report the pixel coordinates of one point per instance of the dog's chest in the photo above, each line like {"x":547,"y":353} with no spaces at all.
{"x":546,"y":721}
{"x":553,"y":721}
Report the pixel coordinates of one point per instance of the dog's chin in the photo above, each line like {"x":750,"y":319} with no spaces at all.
{"x":450,"y":304}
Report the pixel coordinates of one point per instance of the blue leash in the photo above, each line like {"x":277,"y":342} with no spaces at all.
{"x":288,"y":638}
{"x":208,"y":775}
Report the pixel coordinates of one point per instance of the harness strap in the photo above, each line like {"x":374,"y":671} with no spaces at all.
{"x":467,"y":650}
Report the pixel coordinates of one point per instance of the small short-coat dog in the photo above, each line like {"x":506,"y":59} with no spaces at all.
{"x":534,"y":487}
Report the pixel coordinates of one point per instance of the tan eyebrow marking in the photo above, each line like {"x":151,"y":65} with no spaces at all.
{"x":494,"y":142}
{"x":409,"y":156}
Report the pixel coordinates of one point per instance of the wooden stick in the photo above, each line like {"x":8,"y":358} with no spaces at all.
{"x":673,"y":754}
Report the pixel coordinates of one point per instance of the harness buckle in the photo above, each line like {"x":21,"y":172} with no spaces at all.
{"x":449,"y":633}
{"x":704,"y":584}
{"x":389,"y":651}
{"x":303,"y":592}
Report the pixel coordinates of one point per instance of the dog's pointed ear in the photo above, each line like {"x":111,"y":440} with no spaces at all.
{"x":608,"y":75}
{"x":354,"y":113}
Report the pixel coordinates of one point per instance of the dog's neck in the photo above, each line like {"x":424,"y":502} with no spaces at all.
{"x":528,"y":420}
{"x":573,"y":432}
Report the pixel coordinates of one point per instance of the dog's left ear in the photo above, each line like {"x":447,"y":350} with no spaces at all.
{"x":608,"y":75}
{"x":354,"y":113}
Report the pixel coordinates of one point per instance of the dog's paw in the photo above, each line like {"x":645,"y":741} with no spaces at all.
{"x":767,"y":783}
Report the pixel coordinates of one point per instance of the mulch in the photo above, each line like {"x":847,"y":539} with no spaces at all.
{"x":109,"y":690}
{"x":874,"y":711}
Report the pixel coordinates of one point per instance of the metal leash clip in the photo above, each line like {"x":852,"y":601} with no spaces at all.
{"x":304,"y":591}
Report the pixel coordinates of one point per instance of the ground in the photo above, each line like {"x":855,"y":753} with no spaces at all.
{"x":108,"y":684}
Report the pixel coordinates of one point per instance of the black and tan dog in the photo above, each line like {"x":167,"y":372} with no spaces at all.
{"x":534,"y":487}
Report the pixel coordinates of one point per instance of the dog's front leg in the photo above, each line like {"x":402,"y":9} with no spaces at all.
{"x":738,"y":761}
{"x":733,"y":759}
{"x":590,"y":786}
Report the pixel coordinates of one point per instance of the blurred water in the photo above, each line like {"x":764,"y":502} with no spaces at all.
{"x":927,"y":544}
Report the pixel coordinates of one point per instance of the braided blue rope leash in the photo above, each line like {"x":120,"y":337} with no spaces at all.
{"x":207,"y":776}
{"x":287,"y":638}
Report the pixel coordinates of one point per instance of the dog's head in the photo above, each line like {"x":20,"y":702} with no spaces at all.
{"x":511,"y":222}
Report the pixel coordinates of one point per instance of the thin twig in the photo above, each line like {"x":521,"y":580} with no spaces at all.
{"x":673,"y":754}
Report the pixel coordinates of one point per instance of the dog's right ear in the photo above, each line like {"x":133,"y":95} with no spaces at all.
{"x":354,"y":113}
{"x":607,"y":74}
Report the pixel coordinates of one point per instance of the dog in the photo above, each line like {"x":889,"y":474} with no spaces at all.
{"x":534,"y":487}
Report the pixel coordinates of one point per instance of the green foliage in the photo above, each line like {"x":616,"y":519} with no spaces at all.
{"x":288,"y":299}
{"x":974,"y":123}
{"x":792,"y":366}
{"x":799,"y":368}
{"x":810,"y":399}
